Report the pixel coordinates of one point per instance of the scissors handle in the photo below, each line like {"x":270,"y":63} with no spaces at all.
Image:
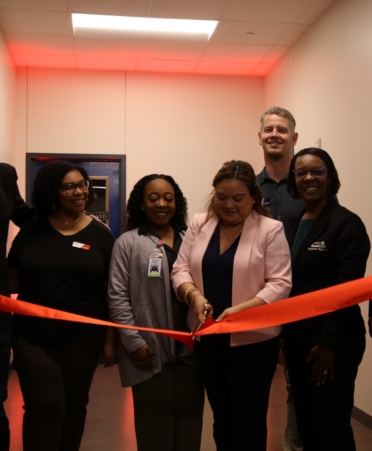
{"x":205,"y":313}
{"x":205,"y":316}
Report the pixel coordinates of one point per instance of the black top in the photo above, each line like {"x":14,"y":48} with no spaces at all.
{"x":218,"y":273}
{"x":56,"y":273}
{"x":334,"y":251}
{"x":280,"y":205}
{"x":179,"y":309}
{"x":12,"y":208}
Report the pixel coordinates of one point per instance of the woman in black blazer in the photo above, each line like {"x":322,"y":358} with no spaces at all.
{"x":329,"y":245}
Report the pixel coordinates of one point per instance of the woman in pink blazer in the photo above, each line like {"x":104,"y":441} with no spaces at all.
{"x":232,"y":258}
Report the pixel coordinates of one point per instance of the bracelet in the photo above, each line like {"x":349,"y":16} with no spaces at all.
{"x":188,"y":292}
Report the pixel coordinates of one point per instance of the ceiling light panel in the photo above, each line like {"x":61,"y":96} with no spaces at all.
{"x":142,"y":27}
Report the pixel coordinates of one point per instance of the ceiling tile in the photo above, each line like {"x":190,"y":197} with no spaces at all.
{"x":292,"y":33}
{"x":177,"y":50}
{"x":37,"y":43}
{"x":235,"y":52}
{"x":137,"y":8}
{"x":221,"y":67}
{"x":313,"y":11}
{"x":38,"y":22}
{"x":43,"y":60}
{"x":48,"y":5}
{"x":149,"y":65}
{"x":234,"y":31}
{"x":110,"y":47}
{"x":105,"y":63}
{"x":274,"y":54}
{"x":191,"y":9}
{"x":262,"y":69}
{"x":285,"y":11}
{"x":42,"y":29}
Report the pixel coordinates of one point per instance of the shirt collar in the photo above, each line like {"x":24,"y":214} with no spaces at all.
{"x":263,"y":177}
{"x":145,"y":229}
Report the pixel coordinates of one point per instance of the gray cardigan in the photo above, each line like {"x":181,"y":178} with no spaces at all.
{"x":136,"y":299}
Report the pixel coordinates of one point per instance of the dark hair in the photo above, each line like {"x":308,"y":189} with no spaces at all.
{"x":239,"y":170}
{"x":47,"y":182}
{"x":334,"y":184}
{"x":135,"y":216}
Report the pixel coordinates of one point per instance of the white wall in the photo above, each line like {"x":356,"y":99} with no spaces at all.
{"x":326,"y":81}
{"x":6,"y":104}
{"x":185,"y":126}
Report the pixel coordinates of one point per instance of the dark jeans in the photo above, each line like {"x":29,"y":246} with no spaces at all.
{"x":238,"y":380}
{"x":324,"y":412}
{"x":5,"y":342}
{"x":168,"y":409}
{"x":55,"y":382}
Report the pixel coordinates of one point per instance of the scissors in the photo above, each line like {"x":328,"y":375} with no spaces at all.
{"x":205,"y":316}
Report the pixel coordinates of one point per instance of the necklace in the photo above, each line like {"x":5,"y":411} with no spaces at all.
{"x":232,"y":237}
{"x":68,"y":222}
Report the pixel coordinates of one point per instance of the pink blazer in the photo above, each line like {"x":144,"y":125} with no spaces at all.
{"x":262,"y":266}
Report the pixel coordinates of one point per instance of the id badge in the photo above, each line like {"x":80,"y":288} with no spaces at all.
{"x":154,"y":268}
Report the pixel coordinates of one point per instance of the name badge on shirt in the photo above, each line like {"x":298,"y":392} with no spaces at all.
{"x":154,"y":269}
{"x":86,"y":247}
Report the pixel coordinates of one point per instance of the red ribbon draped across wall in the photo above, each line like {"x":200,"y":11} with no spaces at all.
{"x":281,"y":312}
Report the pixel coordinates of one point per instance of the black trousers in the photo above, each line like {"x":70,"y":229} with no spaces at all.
{"x":55,"y":382}
{"x":324,"y":412}
{"x":5,"y":343}
{"x":168,"y":409}
{"x":238,"y":380}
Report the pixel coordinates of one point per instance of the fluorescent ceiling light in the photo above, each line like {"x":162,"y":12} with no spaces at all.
{"x":142,"y":27}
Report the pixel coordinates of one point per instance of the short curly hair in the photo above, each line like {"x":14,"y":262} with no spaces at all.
{"x":334,"y":184}
{"x":47,"y":182}
{"x":135,"y":216}
{"x":279,"y":111}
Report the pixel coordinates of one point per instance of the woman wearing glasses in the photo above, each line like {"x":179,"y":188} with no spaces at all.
{"x":329,"y":246}
{"x":60,"y":260}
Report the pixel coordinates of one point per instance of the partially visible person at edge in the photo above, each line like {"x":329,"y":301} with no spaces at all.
{"x":233,"y":258}
{"x":168,"y":391}
{"x":60,"y":259}
{"x":329,"y":245}
{"x":12,"y":208}
{"x":370,"y":318}
{"x":277,"y":136}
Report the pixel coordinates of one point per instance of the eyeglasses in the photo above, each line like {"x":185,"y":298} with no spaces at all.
{"x":70,"y":187}
{"x":316,"y":172}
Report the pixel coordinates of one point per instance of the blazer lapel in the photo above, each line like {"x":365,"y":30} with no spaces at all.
{"x":320,"y":224}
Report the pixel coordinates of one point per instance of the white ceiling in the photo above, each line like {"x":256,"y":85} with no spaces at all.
{"x":38,"y":33}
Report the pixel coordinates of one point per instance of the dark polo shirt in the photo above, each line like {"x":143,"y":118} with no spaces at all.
{"x":281,"y":206}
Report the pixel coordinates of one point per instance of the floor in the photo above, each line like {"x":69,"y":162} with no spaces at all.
{"x":110,"y":416}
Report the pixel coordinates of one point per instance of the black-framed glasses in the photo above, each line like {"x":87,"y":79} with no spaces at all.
{"x":316,"y":172}
{"x":70,"y":187}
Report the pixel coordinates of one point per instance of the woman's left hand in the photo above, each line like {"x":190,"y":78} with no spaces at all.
{"x":254,"y":302}
{"x":228,"y":311}
{"x":323,"y":365}
{"x":110,"y":348}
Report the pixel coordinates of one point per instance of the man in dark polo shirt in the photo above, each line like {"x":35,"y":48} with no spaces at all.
{"x":12,"y":208}
{"x":277,"y":136}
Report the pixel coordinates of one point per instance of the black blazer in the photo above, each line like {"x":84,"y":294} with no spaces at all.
{"x":335,"y":251}
{"x":12,"y":208}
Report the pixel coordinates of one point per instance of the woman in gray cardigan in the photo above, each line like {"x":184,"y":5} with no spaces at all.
{"x":168,"y":393}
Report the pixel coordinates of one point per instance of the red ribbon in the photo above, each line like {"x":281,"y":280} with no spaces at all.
{"x":281,"y":312}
